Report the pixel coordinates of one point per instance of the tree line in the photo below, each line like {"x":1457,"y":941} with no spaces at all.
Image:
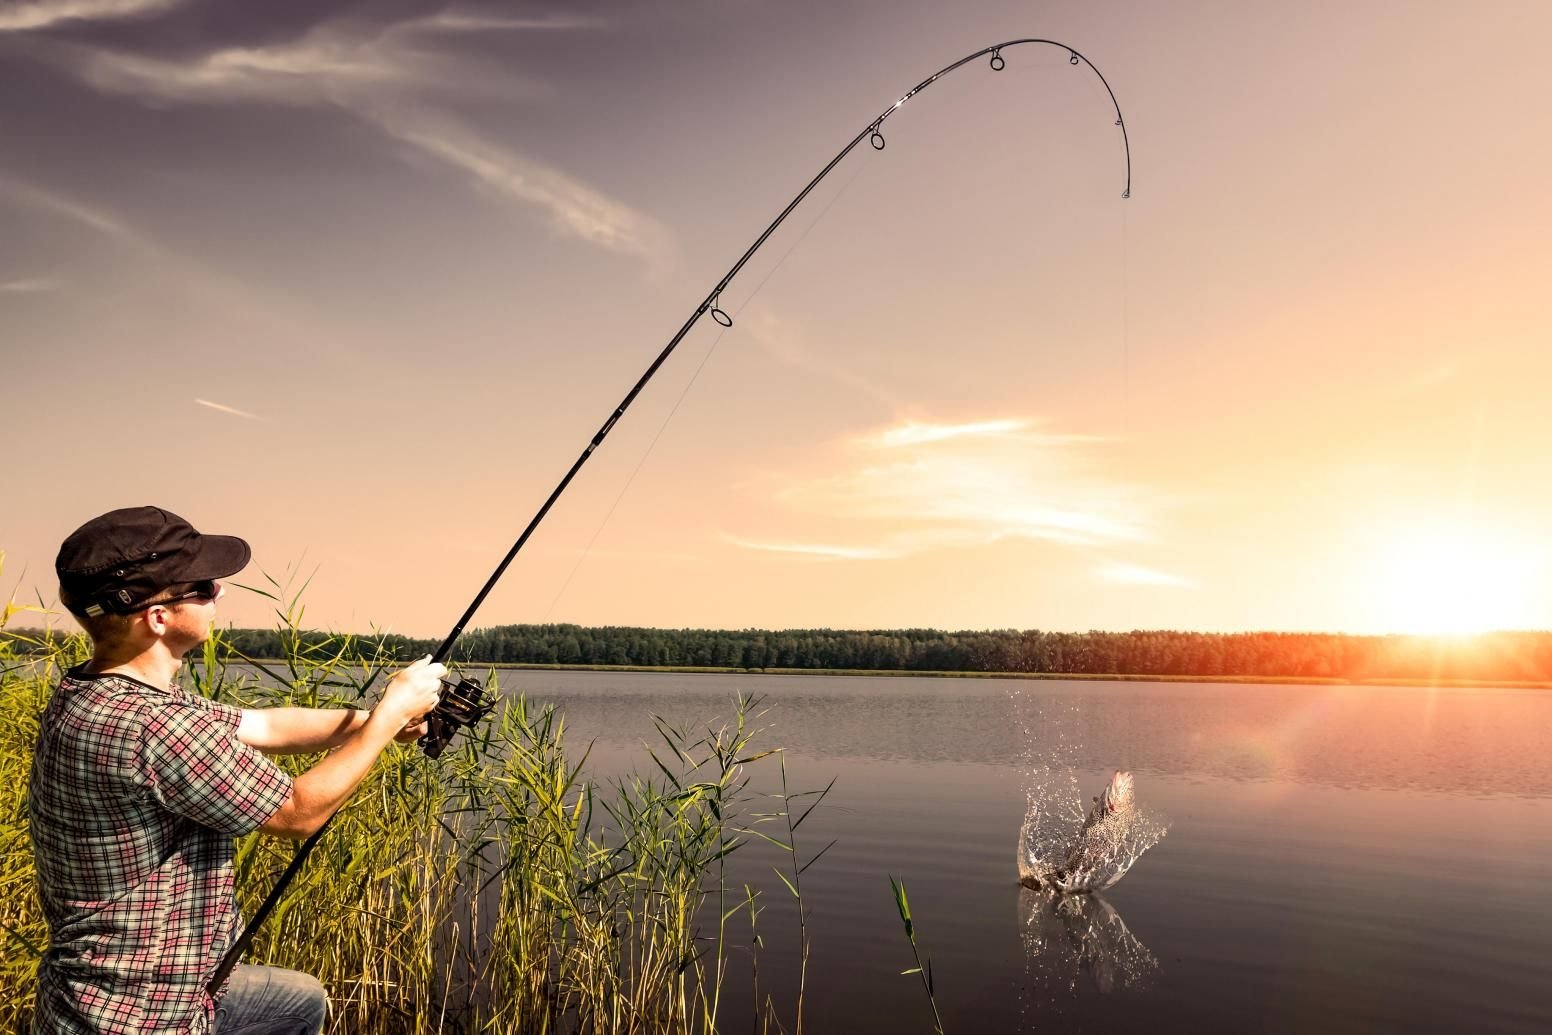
{"x":1509,"y":656}
{"x":1506,"y":656}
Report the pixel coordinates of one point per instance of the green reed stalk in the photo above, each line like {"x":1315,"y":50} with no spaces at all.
{"x":789,"y":846}
{"x":923,"y":968}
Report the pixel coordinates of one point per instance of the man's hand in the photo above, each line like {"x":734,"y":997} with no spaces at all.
{"x":410,"y":694}
{"x":413,"y":732}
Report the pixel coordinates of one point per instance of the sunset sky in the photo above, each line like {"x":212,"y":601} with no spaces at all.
{"x":358,"y":280}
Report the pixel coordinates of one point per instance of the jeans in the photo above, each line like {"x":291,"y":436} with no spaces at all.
{"x":271,"y":1001}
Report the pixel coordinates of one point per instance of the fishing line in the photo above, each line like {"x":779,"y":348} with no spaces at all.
{"x":691,"y":383}
{"x":586,"y":550}
{"x":1126,"y":344}
{"x":463,"y":702}
{"x":1096,"y":92}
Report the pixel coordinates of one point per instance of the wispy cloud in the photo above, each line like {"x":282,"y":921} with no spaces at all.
{"x":912,"y":433}
{"x":469,"y":21}
{"x":222,"y":408}
{"x":918,"y":486}
{"x":41,"y":14}
{"x":916,"y":433}
{"x":315,"y":71}
{"x":27,"y":286}
{"x":573,"y":206}
{"x":824,"y":550}
{"x":384,"y":78}
{"x":1135,"y":575}
{"x":1429,"y":377}
{"x":149,"y":255}
{"x":788,"y":342}
{"x":34,"y":197}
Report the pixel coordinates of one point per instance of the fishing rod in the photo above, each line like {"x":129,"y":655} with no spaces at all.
{"x":464,"y":701}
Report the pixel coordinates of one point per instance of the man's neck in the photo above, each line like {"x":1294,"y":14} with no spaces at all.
{"x":155,"y":665}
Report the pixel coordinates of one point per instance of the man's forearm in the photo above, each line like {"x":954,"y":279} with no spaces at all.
{"x":284,"y":731}
{"x":317,"y":793}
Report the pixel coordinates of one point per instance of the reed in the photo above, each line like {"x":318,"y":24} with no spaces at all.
{"x":497,"y":889}
{"x":24,"y":685}
{"x":923,"y":968}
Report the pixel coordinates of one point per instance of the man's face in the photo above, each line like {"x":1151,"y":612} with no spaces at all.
{"x":187,"y":622}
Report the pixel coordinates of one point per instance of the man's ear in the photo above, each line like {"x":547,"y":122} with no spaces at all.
{"x":155,"y":618}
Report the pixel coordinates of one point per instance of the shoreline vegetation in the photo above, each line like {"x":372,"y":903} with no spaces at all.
{"x":499,"y":889}
{"x":1093,"y":677}
{"x":1495,"y":659}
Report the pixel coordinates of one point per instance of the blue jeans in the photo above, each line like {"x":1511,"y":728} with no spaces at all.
{"x":271,"y":1001}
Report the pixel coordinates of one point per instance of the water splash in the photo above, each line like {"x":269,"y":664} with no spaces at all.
{"x":1066,"y":843}
{"x":1069,"y":936}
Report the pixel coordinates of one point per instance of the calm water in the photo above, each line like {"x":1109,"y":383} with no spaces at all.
{"x":1339,"y":859}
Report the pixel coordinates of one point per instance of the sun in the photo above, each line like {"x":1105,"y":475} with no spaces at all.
{"x":1445,"y":578}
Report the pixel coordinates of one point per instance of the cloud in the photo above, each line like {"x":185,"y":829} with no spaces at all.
{"x":1428,"y":377}
{"x":919,"y":486}
{"x":1135,"y":575}
{"x":915,"y":433}
{"x":912,"y":433}
{"x":465,"y":21}
{"x":227,"y":409}
{"x":198,"y":276}
{"x":42,"y":14}
{"x":28,"y":285}
{"x":788,"y":343}
{"x":383,"y":78}
{"x":320,"y":69}
{"x":832,"y":552}
{"x":574,"y":207}
{"x":32,"y":196}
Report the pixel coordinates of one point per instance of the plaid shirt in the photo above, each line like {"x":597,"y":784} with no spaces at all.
{"x":136,"y":795}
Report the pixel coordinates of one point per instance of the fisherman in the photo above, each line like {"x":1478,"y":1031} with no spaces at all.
{"x":138,"y":788}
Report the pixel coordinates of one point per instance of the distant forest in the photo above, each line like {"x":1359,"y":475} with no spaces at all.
{"x":1490,"y":657}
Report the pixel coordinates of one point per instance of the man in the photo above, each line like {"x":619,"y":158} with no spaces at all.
{"x":138,"y":788}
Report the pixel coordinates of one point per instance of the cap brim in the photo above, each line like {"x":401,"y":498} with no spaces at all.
{"x":216,"y":557}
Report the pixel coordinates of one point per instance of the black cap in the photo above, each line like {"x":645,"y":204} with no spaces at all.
{"x":116,"y":562}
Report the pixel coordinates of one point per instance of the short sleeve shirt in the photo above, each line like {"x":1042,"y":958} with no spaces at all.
{"x":135,"y":797}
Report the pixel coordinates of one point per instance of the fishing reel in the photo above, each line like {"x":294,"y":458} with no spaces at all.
{"x":461,"y":705}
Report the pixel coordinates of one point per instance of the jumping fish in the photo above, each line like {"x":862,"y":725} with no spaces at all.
{"x":1097,"y":839}
{"x":1095,"y":859}
{"x":1116,"y":799}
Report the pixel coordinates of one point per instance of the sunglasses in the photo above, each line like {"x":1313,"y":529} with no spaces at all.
{"x":204,"y":589}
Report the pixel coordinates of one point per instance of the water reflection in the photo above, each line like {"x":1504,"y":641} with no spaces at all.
{"x":1480,"y":741}
{"x":1076,"y":942}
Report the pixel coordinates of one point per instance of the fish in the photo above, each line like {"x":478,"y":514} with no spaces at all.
{"x":1117,"y":799}
{"x":1096,"y":843}
{"x":1093,"y":861}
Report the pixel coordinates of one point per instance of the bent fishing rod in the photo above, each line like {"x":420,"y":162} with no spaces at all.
{"x":464,"y":702}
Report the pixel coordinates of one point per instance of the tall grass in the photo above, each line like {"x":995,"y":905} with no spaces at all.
{"x":498,"y":889}
{"x":23,"y":692}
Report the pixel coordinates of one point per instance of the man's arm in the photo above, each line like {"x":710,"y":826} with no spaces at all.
{"x":317,"y":793}
{"x":292,"y":731}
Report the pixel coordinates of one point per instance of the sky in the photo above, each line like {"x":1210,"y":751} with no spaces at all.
{"x":358,"y":281}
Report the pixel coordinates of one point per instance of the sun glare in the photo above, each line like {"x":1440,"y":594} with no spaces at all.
{"x":1448,"y":579}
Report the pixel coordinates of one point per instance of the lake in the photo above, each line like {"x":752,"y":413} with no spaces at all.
{"x":1339,"y":858}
